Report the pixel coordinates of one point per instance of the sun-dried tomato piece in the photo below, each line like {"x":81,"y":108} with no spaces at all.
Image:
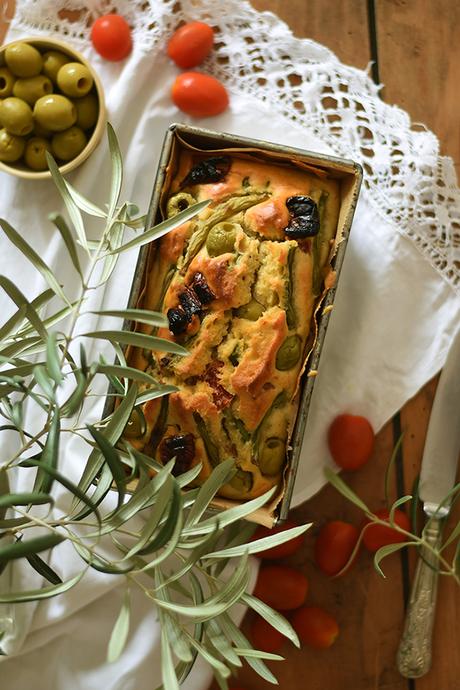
{"x":181,"y":447}
{"x":304,"y":220}
{"x":208,"y":170}
{"x":202,"y":289}
{"x":178,"y":320}
{"x":190,"y":303}
{"x":220,"y":396}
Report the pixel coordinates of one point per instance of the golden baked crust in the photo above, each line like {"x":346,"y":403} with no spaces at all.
{"x":239,"y":291}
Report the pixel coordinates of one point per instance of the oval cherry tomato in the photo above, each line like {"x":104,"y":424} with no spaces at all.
{"x":281,"y":587}
{"x":351,"y":441}
{"x":190,"y":44}
{"x":282,"y":550}
{"x":199,"y":95}
{"x":334,"y":546}
{"x":111,"y":37}
{"x":265,"y":637}
{"x":315,"y":627}
{"x":376,"y":536}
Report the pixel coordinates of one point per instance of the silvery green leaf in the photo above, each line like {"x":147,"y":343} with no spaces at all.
{"x":100,"y":564}
{"x":24,"y":548}
{"x":17,"y":414}
{"x":162,"y":389}
{"x":49,"y":455}
{"x":20,"y":300}
{"x":170,"y":622}
{"x":53,"y":362}
{"x":163,"y":228}
{"x":148,"y":342}
{"x":220,"y":642}
{"x":163,"y":497}
{"x":235,"y":634}
{"x":219,"y":476}
{"x":34,"y":498}
{"x":23,"y":346}
{"x":169,"y":532}
{"x":13,"y":322}
{"x":66,"y":235}
{"x":223,"y":670}
{"x":230,"y":515}
{"x":4,"y":491}
{"x":70,"y":486}
{"x":44,"y":381}
{"x":40,"y":594}
{"x":168,"y":672}
{"x":72,"y":208}
{"x":117,"y":170}
{"x":76,"y":398}
{"x":112,"y":432}
{"x":110,"y":260}
{"x":120,"y":631}
{"x":188,"y":477}
{"x":125,"y":372}
{"x":273,"y":617}
{"x":113,"y":460}
{"x":51,"y":320}
{"x":154,"y":318}
{"x":386,"y":551}
{"x":397,"y":504}
{"x":25,"y":248}
{"x":258,"y":654}
{"x":44,"y":569}
{"x":260,"y":544}
{"x":197,"y":553}
{"x":83,"y":203}
{"x":338,"y":483}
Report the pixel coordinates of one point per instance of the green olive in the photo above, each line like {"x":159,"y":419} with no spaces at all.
{"x":7,"y":80}
{"x":272,"y":456}
{"x":179,"y":202}
{"x":16,"y":116}
{"x":31,"y":89}
{"x":53,"y":60}
{"x":87,"y":111}
{"x":23,"y":60}
{"x":68,"y":144}
{"x":55,"y":112}
{"x":289,"y":353}
{"x":221,"y":238}
{"x":35,"y":153}
{"x":11,"y":147}
{"x":74,"y":79}
{"x":242,"y":481}
{"x":136,"y":425}
{"x":251,"y":311}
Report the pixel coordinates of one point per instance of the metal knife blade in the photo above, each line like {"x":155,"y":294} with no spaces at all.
{"x":442,"y":445}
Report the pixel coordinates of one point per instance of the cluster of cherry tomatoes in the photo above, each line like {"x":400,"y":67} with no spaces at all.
{"x":195,"y":93}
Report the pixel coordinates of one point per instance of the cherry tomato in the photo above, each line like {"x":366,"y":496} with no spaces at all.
{"x":351,"y":441}
{"x":281,"y":587}
{"x":190,"y":44}
{"x":334,"y":546}
{"x":315,"y":627}
{"x":282,"y":550}
{"x":199,"y":95}
{"x":265,"y":637}
{"x":111,"y":37}
{"x":376,"y":536}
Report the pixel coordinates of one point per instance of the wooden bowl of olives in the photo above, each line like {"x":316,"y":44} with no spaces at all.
{"x":52,"y":100}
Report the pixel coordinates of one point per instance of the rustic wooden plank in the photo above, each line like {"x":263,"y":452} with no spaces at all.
{"x":425,"y":85}
{"x":341,"y":25}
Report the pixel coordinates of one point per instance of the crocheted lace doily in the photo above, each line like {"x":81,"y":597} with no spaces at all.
{"x":406,"y":180}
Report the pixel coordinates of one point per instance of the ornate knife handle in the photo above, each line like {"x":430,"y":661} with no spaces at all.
{"x":414,"y":653}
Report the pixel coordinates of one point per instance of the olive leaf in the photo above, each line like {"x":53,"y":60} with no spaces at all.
{"x":120,"y":631}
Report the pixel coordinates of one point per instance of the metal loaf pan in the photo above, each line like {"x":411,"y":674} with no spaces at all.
{"x":349,"y":175}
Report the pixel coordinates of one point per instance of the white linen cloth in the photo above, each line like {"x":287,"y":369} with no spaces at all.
{"x":396,"y":309}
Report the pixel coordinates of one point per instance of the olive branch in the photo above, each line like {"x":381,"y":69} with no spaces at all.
{"x":157,"y":537}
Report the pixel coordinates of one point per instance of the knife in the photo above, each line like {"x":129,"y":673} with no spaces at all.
{"x":437,"y":479}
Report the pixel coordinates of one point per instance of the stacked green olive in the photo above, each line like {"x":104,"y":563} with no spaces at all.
{"x":48,"y":102}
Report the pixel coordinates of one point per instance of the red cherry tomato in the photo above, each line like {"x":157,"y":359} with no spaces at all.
{"x":111,"y":37}
{"x":199,"y":95}
{"x":281,"y":587}
{"x":351,"y":441}
{"x":376,"y":536}
{"x":282,"y":550}
{"x":315,"y":627}
{"x":265,"y":637}
{"x":190,"y":44}
{"x":334,"y":546}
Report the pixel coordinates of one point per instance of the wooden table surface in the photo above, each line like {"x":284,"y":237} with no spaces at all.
{"x":415,"y":51}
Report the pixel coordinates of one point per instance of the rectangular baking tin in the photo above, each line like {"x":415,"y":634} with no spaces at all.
{"x":350,"y":174}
